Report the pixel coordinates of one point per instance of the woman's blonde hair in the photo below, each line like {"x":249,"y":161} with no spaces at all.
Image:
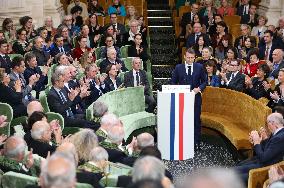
{"x":84,"y":59}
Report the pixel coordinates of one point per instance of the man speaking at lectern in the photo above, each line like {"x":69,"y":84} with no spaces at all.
{"x":193,"y":74}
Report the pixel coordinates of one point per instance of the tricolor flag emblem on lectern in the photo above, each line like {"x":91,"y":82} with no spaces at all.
{"x":176,"y":125}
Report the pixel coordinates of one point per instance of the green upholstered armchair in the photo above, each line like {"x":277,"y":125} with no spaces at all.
{"x":43,"y":101}
{"x":6,"y":109}
{"x":124,"y":51}
{"x":17,"y":180}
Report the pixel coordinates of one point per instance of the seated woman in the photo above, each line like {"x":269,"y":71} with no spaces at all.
{"x":95,"y":8}
{"x":98,"y":162}
{"x":231,"y":54}
{"x":221,"y":31}
{"x":260,"y":28}
{"x":138,"y":50}
{"x":82,"y":47}
{"x":211,"y":69}
{"x":249,"y":44}
{"x":222,"y":48}
{"x":112,"y":81}
{"x":21,"y":46}
{"x":109,"y":42}
{"x":95,"y":30}
{"x":27,"y":24}
{"x":131,"y":14}
{"x":199,"y":45}
{"x":9,"y":30}
{"x":251,"y":67}
{"x":255,"y":86}
{"x":110,"y":31}
{"x":277,"y":95}
{"x":62,"y":59}
{"x":86,"y":59}
{"x":84,"y":141}
{"x":225,"y":9}
{"x":12,"y":96}
{"x":207,"y":12}
{"x":117,"y":8}
{"x":206,"y":55}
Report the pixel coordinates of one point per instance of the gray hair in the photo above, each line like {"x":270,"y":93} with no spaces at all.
{"x":110,"y":49}
{"x":276,"y":118}
{"x":144,"y":140}
{"x":55,"y":77}
{"x":133,"y":21}
{"x":220,"y":177}
{"x":63,"y":176}
{"x":61,"y":69}
{"x":109,"y":120}
{"x":115,"y":134}
{"x":99,"y":108}
{"x":14,"y":146}
{"x":135,"y":58}
{"x":98,"y":154}
{"x":148,"y":167}
{"x":38,"y":129}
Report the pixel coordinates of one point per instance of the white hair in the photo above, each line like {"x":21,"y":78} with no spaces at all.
{"x":115,"y":134}
{"x":220,"y":177}
{"x":99,"y":108}
{"x":98,"y":154}
{"x":37,"y":133}
{"x":64,"y":176}
{"x":61,"y":69}
{"x":148,"y":167}
{"x":109,"y":120}
{"x":14,"y":150}
{"x":276,"y":118}
{"x":144,"y":140}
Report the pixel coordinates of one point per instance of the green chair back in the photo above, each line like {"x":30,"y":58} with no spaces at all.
{"x":52,"y":116}
{"x":83,"y":185}
{"x":6,"y":109}
{"x":43,"y":101}
{"x":125,"y":101}
{"x":124,"y":51}
{"x":17,"y":180}
{"x":98,"y":51}
{"x":121,"y":76}
{"x":98,"y":61}
{"x":14,"y":55}
{"x":128,"y":63}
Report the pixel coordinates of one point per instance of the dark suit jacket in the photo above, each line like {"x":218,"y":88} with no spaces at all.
{"x":41,"y":148}
{"x":237,"y":83}
{"x":275,"y":72}
{"x":94,"y":93}
{"x":186,"y":19}
{"x":109,"y":86}
{"x":5,"y":62}
{"x":41,"y":56}
{"x":245,"y":20}
{"x":240,"y":10}
{"x":190,"y":41}
{"x":132,"y":52}
{"x":198,"y":77}
{"x":129,"y":80}
{"x":55,"y":50}
{"x":55,"y":103}
{"x":262,"y":49}
{"x":40,"y":84}
{"x":106,"y":62}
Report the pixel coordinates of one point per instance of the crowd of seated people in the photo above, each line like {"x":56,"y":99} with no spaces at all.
{"x":52,"y":60}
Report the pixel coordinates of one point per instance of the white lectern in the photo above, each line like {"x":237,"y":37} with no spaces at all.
{"x":176,"y":122}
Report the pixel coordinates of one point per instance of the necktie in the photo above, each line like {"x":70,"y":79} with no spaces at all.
{"x":137,"y":79}
{"x":64,"y":100}
{"x":189,"y":70}
{"x":266,"y":53}
{"x":196,"y":36}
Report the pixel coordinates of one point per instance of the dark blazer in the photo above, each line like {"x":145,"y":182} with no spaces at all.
{"x":237,"y":83}
{"x":240,"y":10}
{"x":77,"y":107}
{"x":245,"y":20}
{"x":215,"y":81}
{"x":132,"y":52}
{"x":41,"y":56}
{"x":18,"y":48}
{"x":40,"y":84}
{"x":190,"y":41}
{"x":129,"y":80}
{"x":257,"y":91}
{"x":106,"y":62}
{"x":198,"y":78}
{"x":262,"y":48}
{"x":41,"y":148}
{"x":5,"y":62}
{"x":55,"y":50}
{"x":274,"y":73}
{"x":94,"y":93}
{"x":14,"y":99}
{"x":109,"y":86}
{"x":185,"y":19}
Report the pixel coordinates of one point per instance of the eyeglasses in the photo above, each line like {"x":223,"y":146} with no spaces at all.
{"x":109,"y":40}
{"x":234,"y":65}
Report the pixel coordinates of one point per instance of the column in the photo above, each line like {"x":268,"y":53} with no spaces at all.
{"x":272,"y":9}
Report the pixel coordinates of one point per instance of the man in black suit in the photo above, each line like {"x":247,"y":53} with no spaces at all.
{"x":61,"y":102}
{"x":187,"y":18}
{"x":5,"y":61}
{"x":191,"y":40}
{"x":13,"y":158}
{"x":112,"y":59}
{"x":268,"y":149}
{"x":240,"y":41}
{"x":266,"y":48}
{"x":244,"y":8}
{"x":42,"y":56}
{"x":96,"y":84}
{"x":58,"y":46}
{"x":234,"y":80}
{"x":277,"y":63}
{"x":138,"y":77}
{"x":251,"y":18}
{"x":41,"y":138}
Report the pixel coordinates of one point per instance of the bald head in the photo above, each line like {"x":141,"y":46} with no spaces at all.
{"x":34,"y":106}
{"x":14,"y":148}
{"x":109,"y":120}
{"x":58,"y":172}
{"x":277,"y":55}
{"x":144,"y":140}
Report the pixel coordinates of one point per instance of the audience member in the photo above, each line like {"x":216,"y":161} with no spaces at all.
{"x":42,"y":56}
{"x":251,"y":18}
{"x":116,"y":8}
{"x":27,"y":24}
{"x":95,"y":8}
{"x":239,"y":41}
{"x":5,"y":61}
{"x":112,"y":81}
{"x":250,"y":68}
{"x":84,"y":12}
{"x":260,"y":28}
{"x":197,"y":32}
{"x":131,"y":14}
{"x":187,"y":18}
{"x":48,"y":24}
{"x":277,"y":63}
{"x":266,"y":49}
{"x":243,"y":9}
{"x":109,"y":42}
{"x":112,"y":59}
{"x":225,"y":9}
{"x":21,"y":46}
{"x":211,"y":70}
{"x":81,"y":48}
{"x":58,"y":46}
{"x":107,"y":121}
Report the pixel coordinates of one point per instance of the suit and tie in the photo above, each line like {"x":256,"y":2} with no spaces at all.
{"x":187,"y":18}
{"x":268,"y":152}
{"x":95,"y":92}
{"x":264,"y":50}
{"x":191,"y":40}
{"x":243,"y":10}
{"x":276,"y":68}
{"x":56,"y":50}
{"x":132,"y":79}
{"x":195,"y":76}
{"x":236,"y":81}
{"x":5,"y":62}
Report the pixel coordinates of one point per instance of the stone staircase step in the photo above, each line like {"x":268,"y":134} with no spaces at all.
{"x":158,"y":82}
{"x":167,"y":13}
{"x":160,"y":21}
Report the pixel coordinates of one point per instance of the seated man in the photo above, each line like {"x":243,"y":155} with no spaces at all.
{"x":14,"y":155}
{"x":268,"y":150}
{"x":5,"y":61}
{"x":41,"y":142}
{"x":234,"y":80}
{"x":108,"y":120}
{"x":58,"y":46}
{"x":42,"y":56}
{"x":138,"y":77}
{"x":112,"y":59}
{"x":99,"y":110}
